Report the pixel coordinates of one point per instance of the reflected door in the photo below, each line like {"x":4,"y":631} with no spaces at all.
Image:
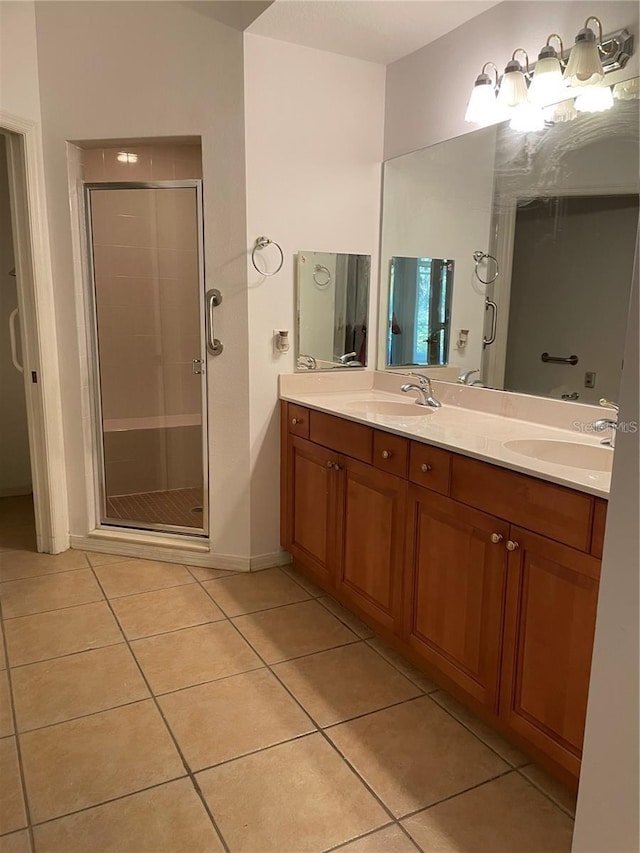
{"x":148,"y":287}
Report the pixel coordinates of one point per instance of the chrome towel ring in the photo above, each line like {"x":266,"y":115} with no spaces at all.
{"x":321,"y":276}
{"x":478,"y":257}
{"x":262,"y":243}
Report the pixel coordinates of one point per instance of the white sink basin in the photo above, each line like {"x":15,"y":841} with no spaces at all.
{"x":591,"y":457}
{"x":390,"y":408}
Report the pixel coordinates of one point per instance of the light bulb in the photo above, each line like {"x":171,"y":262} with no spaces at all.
{"x":595,"y":100}
{"x":585,"y":67}
{"x":513,"y":88}
{"x":526,"y":118}
{"x":483,"y":107}
{"x":547,"y":85}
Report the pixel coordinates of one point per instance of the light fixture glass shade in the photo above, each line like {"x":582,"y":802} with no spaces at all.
{"x":595,"y":100}
{"x":628,"y":90}
{"x":564,"y":111}
{"x":513,"y":88}
{"x":547,"y":85}
{"x":584,"y":67}
{"x":527,"y":117}
{"x":482,"y":107}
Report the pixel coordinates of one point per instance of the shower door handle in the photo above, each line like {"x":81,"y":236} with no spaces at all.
{"x":212,"y":300}
{"x":494,"y":322}
{"x":14,"y":341}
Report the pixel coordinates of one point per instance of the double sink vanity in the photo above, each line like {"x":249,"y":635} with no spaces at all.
{"x":465,"y":521}
{"x":457,"y":535}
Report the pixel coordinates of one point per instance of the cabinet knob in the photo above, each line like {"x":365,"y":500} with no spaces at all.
{"x":496,"y":537}
{"x":425,"y":468}
{"x":387,"y":454}
{"x":295,"y":421}
{"x":512,"y":546}
{"x":337,"y":467}
{"x":330,"y":464}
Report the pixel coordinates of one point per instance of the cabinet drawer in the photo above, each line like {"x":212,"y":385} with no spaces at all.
{"x":390,"y":453}
{"x":298,"y":420}
{"x":343,"y":436}
{"x":545,"y":508}
{"x":599,"y":522}
{"x":430,"y":467}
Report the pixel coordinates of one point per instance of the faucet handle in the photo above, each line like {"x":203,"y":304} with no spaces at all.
{"x":609,"y":405}
{"x":423,"y":380}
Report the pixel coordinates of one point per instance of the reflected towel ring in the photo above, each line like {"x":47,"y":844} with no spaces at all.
{"x":478,"y":257}
{"x":325,"y":275}
{"x":262,"y":243}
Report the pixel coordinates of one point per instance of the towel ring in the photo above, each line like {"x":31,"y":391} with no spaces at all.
{"x":478,"y":257}
{"x":321,"y":270}
{"x":262,"y":243}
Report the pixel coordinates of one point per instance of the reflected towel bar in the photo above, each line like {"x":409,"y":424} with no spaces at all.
{"x":554,"y":359}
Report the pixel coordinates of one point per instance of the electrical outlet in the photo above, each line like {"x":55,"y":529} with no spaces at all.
{"x":590,"y":379}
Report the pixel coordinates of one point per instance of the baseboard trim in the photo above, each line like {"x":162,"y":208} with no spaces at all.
{"x":268,"y":561}
{"x":16,"y":492}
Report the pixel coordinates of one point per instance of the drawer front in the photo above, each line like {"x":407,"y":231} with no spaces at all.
{"x":390,"y":453}
{"x":343,"y":436}
{"x":545,"y":508}
{"x":430,"y":467}
{"x":298,"y":420}
{"x":599,"y":522}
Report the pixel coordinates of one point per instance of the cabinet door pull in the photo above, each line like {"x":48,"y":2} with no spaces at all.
{"x":387,"y":454}
{"x":295,"y":421}
{"x":496,"y":537}
{"x":512,"y":546}
{"x":330,"y":464}
{"x":337,"y":467}
{"x":425,"y":468}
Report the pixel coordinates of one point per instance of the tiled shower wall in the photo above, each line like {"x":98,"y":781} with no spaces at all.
{"x":145,"y":254}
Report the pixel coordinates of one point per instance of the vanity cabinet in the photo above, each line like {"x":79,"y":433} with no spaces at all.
{"x":485,"y":577}
{"x":550,"y":615}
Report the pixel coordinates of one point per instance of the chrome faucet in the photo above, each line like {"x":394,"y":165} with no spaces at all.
{"x":607,"y":423}
{"x":424,"y":389}
{"x":463,"y":379}
{"x":307,"y":361}
{"x":348,"y":356}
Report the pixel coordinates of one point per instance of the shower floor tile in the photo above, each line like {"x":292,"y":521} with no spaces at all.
{"x":179,"y":507}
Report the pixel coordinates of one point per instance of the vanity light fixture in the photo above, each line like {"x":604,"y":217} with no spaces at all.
{"x":584,"y":67}
{"x":482,"y":108}
{"x":547,"y":85}
{"x":628,"y":90}
{"x":127,"y":157}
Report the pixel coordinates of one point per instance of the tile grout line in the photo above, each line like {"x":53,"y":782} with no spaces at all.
{"x":372,"y":832}
{"x":27,"y":809}
{"x":177,"y":747}
{"x":545,"y":793}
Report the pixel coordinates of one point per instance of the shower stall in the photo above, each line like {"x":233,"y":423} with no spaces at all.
{"x":145,"y":246}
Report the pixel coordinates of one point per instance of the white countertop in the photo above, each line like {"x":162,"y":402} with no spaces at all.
{"x":474,"y":433}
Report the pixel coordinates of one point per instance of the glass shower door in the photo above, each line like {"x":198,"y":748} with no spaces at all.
{"x":148,"y":287}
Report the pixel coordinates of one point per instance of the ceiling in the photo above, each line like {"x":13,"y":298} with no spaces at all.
{"x":375,"y":30}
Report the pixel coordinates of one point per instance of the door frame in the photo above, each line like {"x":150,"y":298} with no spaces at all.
{"x":42,"y":378}
{"x":99,"y":473}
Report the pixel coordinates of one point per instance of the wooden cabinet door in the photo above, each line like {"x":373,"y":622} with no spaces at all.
{"x":370,"y":532}
{"x":454,"y":591}
{"x":312,"y":489}
{"x":552,"y":596}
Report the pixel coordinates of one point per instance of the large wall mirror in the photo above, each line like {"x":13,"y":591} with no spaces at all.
{"x":541,"y":230}
{"x":333,"y":306}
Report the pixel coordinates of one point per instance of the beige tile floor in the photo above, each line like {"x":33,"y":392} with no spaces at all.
{"x":147,"y":707}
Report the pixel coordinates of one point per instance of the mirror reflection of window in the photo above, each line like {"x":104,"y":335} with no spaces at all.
{"x":420,"y":293}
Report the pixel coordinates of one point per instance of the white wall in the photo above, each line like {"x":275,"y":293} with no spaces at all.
{"x":112,"y":70}
{"x":427,"y":92}
{"x":19,"y":91}
{"x":608,"y":812}
{"x":15,"y":468}
{"x":314,"y":131}
{"x":438,"y":203}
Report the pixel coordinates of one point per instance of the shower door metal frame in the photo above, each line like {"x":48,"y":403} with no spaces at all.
{"x":96,"y":389}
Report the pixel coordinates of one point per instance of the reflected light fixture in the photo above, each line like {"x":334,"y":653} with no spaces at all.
{"x":527,"y":117}
{"x":584,"y":67}
{"x":127,"y":157}
{"x":594,"y":99}
{"x":513,"y":88}
{"x":628,"y":90}
{"x":562,"y":111}
{"x":548,"y":86}
{"x":483,"y":106}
